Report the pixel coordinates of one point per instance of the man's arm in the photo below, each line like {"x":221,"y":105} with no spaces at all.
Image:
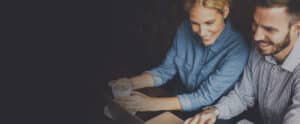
{"x":293,"y":113}
{"x":242,"y":96}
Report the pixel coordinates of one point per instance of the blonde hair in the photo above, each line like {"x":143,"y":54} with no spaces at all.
{"x":214,"y":4}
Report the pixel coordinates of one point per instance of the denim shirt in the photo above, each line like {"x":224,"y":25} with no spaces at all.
{"x":206,"y":72}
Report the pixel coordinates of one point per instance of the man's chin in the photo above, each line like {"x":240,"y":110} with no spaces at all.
{"x":264,"y":52}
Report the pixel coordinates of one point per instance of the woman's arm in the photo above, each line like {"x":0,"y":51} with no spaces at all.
{"x":218,"y":82}
{"x":141,"y":102}
{"x":142,"y":81}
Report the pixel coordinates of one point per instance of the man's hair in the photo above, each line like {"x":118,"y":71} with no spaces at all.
{"x":214,"y":4}
{"x":293,"y":7}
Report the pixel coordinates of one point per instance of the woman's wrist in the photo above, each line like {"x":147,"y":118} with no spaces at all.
{"x":142,"y":81}
{"x":155,"y":104}
{"x":167,"y":103}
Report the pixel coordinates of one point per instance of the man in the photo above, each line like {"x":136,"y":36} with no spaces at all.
{"x":272,"y":75}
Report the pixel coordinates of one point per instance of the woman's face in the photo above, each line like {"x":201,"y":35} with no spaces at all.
{"x":207,"y":23}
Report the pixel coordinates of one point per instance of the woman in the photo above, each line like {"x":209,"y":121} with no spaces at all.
{"x":208,"y":55}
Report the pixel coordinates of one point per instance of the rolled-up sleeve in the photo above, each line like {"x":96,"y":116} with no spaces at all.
{"x":218,"y":82}
{"x":167,"y":69}
{"x":243,"y":95}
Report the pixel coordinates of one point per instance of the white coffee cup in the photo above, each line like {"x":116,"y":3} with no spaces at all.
{"x":122,"y":88}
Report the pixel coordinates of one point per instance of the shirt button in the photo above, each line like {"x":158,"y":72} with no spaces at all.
{"x":194,"y":81}
{"x":274,"y":70}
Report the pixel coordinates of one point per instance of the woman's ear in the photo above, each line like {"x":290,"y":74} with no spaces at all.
{"x":226,"y":11}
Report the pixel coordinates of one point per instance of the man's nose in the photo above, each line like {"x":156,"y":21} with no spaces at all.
{"x":258,"y":34}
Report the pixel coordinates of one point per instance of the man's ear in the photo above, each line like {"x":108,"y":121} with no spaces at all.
{"x":297,"y":27}
{"x":295,"y":31}
{"x":226,"y":11}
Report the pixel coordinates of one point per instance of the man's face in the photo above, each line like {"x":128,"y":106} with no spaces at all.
{"x":207,"y":23}
{"x":271,"y":30}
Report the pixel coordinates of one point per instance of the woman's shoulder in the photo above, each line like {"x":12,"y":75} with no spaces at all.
{"x":184,"y":34}
{"x":233,"y":32}
{"x":184,"y":27}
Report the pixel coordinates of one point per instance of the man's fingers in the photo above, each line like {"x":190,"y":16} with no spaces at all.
{"x":211,"y":121}
{"x":207,"y":118}
{"x":188,"y":121}
{"x":201,"y":120}
{"x":195,"y":120}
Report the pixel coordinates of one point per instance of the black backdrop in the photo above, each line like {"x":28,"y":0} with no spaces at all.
{"x":58,"y":55}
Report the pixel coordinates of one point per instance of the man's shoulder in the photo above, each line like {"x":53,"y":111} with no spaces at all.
{"x":297,"y":71}
{"x":295,"y":78}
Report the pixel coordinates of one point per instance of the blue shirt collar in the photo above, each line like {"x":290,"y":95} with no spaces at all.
{"x":222,"y":39}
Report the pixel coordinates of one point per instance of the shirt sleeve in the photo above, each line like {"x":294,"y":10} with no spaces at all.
{"x":167,"y":69}
{"x":218,"y":82}
{"x":293,"y":112}
{"x":242,"y":96}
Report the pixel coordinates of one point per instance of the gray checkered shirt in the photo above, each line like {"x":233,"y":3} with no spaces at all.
{"x":276,"y":89}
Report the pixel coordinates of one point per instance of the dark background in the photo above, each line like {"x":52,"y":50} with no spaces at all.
{"x":59,"y":55}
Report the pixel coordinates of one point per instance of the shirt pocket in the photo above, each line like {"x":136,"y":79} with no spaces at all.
{"x":203,"y":72}
{"x":184,"y":68}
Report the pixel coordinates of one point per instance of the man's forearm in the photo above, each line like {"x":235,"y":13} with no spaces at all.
{"x":142,"y":81}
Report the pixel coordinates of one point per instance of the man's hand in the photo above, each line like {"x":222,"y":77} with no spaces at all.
{"x":137,"y":102}
{"x":208,"y":116}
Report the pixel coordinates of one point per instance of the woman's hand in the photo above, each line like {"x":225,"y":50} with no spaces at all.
{"x":121,"y":81}
{"x":138,"y":102}
{"x":137,"y":82}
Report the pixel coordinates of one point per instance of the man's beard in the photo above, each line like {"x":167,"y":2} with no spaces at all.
{"x":278,"y":46}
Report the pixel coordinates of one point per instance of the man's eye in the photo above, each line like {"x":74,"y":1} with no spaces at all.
{"x":209,"y":23}
{"x":269,"y":30}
